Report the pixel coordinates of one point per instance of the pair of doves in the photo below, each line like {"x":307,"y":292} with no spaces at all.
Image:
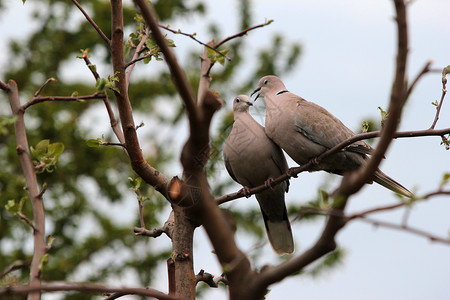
{"x":304,"y":130}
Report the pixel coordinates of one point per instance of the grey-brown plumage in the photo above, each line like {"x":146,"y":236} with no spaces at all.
{"x":251,"y":158}
{"x":305,"y":130}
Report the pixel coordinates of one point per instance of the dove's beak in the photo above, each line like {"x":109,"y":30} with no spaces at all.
{"x":256,"y":91}
{"x":249,"y":103}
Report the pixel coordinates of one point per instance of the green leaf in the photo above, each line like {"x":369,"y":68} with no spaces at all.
{"x":84,"y":53}
{"x":365,"y":126}
{"x":15,"y":208}
{"x":135,"y":183}
{"x":94,"y":142}
{"x":435,"y":103}
{"x":12,"y":207}
{"x":43,"y":261}
{"x":46,"y":155}
{"x":445,"y":179}
{"x":100,"y":85}
{"x":384,"y":115}
{"x":445,"y":71}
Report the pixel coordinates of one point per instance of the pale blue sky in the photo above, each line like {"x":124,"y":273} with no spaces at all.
{"x":347,"y":67}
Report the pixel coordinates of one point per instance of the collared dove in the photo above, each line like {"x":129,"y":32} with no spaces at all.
{"x":252,"y":159}
{"x":305,"y":130}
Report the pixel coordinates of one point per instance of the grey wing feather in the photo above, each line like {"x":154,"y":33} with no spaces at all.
{"x":280,"y":161}
{"x":322,"y":128}
{"x":228,"y":167}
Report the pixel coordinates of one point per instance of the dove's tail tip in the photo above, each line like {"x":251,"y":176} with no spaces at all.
{"x":391,"y":184}
{"x":280,"y":237}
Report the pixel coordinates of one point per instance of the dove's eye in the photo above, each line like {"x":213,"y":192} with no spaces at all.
{"x":265,"y":81}
{"x":237,"y":100}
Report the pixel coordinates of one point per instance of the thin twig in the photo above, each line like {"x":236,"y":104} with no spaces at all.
{"x":39,"y":91}
{"x":26,"y":220}
{"x":409,"y":229}
{"x":424,"y":70}
{"x":243,"y":32}
{"x":192,"y":36}
{"x":100,"y":32}
{"x":14,"y":267}
{"x":4,"y":86}
{"x":438,"y":109}
{"x":136,"y":57}
{"x":112,"y":118}
{"x":178,"y":75}
{"x":206,"y":278}
{"x":62,"y":98}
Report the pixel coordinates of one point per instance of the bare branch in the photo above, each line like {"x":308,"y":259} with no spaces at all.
{"x":31,"y":186}
{"x":167,"y":228}
{"x":37,"y":100}
{"x":84,"y":287}
{"x":138,"y":162}
{"x":444,"y":92}
{"x":136,"y":57}
{"x":100,"y":32}
{"x":239,"y":34}
{"x":175,"y":69}
{"x":424,"y":70}
{"x":206,"y":278}
{"x":406,"y":228}
{"x":192,"y":36}
{"x":4,"y":86}
{"x":14,"y":267}
{"x":112,"y":118}
{"x":43,"y":86}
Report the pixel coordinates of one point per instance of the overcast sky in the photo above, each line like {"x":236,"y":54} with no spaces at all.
{"x":347,"y":67}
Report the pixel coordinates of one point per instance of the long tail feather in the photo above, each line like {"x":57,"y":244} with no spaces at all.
{"x":280,"y":236}
{"x":391,"y":184}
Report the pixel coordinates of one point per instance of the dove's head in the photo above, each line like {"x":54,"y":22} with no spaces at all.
{"x":241,"y":103}
{"x":269,"y":85}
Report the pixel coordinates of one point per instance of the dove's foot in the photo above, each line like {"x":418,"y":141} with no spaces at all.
{"x":290,"y":174}
{"x":268,"y":183}
{"x":245,"y":191}
{"x":314,"y":161}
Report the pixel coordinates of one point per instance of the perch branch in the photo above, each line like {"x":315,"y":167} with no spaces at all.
{"x":293,"y":172}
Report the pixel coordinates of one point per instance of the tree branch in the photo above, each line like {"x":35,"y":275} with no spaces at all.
{"x":112,"y":118}
{"x":293,"y":172}
{"x":37,"y":100}
{"x":192,"y":36}
{"x":14,"y":267}
{"x":31,"y":186}
{"x":85,"y":287}
{"x":404,"y":228}
{"x":178,"y":75}
{"x":438,"y":108}
{"x":136,"y":57}
{"x":239,"y":34}
{"x":138,"y":163}
{"x":100,"y":32}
